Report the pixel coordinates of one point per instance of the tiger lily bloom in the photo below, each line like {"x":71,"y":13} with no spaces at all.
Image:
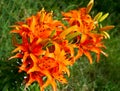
{"x":40,"y":26}
{"x":38,"y":60}
{"x":47,"y":47}
{"x":79,"y":18}
{"x":87,"y":41}
{"x":91,"y":43}
{"x":52,"y":65}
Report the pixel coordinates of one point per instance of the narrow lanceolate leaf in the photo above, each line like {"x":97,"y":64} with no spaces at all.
{"x":98,"y":16}
{"x":107,"y":28}
{"x":67,"y":31}
{"x":104,"y":17}
{"x":52,"y":34}
{"x":89,"y":6}
{"x":71,"y":36}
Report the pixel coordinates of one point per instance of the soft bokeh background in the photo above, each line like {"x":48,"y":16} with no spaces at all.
{"x":102,"y":76}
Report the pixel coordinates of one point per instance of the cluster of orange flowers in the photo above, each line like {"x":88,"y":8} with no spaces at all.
{"x":47,"y":46}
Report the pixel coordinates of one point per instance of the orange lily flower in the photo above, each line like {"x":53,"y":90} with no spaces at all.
{"x":39,"y":26}
{"x":27,"y":48}
{"x":52,"y":65}
{"x":81,"y":19}
{"x":47,"y":46}
{"x":90,"y":43}
{"x":37,"y":60}
{"x":87,"y":41}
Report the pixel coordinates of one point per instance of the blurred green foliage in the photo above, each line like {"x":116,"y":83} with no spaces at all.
{"x":102,"y":76}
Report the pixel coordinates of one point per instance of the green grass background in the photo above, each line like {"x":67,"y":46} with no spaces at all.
{"x":102,"y":76}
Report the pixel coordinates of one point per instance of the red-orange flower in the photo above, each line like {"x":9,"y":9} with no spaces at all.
{"x":26,"y":48}
{"x":47,"y":46}
{"x":90,"y":43}
{"x":53,"y":66}
{"x":85,"y":39}
{"x":40,"y":26}
{"x":80,"y":18}
{"x":42,"y":50}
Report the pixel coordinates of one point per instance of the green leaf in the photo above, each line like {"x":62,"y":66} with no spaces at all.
{"x":71,"y":36}
{"x":5,"y":88}
{"x":67,"y":31}
{"x":37,"y":87}
{"x":52,"y":34}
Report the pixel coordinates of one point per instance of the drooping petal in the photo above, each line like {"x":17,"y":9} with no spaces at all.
{"x":88,"y":56}
{"x":60,"y":77}
{"x":19,"y":48}
{"x":18,"y":55}
{"x":48,"y":81}
{"x":25,"y":56}
{"x":83,"y":38}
